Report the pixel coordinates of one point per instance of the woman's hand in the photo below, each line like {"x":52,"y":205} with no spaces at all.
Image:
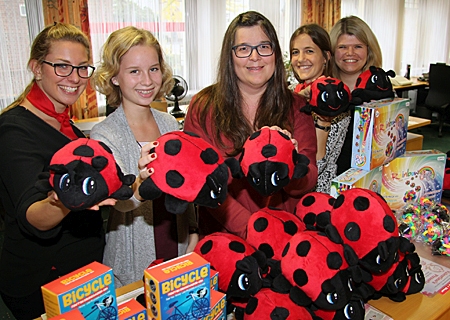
{"x":146,"y":158}
{"x":286,"y":132}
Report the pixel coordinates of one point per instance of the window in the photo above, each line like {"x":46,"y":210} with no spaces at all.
{"x":190,"y":31}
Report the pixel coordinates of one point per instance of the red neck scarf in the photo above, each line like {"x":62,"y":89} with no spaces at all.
{"x":40,"y":101}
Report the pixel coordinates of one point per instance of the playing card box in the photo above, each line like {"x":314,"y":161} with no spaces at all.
{"x":74,"y":314}
{"x":214,"y":280}
{"x":132,"y":310}
{"x":218,"y":306}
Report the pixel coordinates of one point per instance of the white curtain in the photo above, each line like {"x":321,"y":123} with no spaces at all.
{"x":415,"y":32}
{"x":23,"y":21}
{"x":192,"y":46}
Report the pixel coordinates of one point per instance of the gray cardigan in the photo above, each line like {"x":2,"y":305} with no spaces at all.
{"x":130,"y":245}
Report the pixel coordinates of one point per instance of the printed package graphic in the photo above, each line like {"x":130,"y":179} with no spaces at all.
{"x":132,"y":310}
{"x":356,"y":178}
{"x":178,"y":288}
{"x":89,"y":289}
{"x":379,"y":132}
{"x":412,"y":176}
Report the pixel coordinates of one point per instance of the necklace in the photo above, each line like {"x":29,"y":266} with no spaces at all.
{"x":140,"y":146}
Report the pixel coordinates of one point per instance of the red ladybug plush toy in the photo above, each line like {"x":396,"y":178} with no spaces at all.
{"x":83,"y":173}
{"x":374,"y":84}
{"x":269,"y":161}
{"x":329,"y":97}
{"x":187,"y":169}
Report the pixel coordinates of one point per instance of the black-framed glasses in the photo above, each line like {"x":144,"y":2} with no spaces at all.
{"x":65,"y":70}
{"x":244,"y":51}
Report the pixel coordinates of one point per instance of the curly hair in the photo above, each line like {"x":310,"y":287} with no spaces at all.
{"x":115,"y":47}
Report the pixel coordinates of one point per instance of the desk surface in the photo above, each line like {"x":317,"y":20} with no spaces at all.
{"x":416,"y":84}
{"x":418,"y":306}
{"x":415,"y":122}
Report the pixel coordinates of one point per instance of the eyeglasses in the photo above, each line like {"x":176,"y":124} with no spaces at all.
{"x":65,"y":70}
{"x":244,"y":51}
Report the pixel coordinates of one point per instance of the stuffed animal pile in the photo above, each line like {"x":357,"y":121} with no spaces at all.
{"x":323,"y":262}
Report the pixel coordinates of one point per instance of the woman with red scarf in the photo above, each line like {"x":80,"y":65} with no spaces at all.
{"x":43,"y":239}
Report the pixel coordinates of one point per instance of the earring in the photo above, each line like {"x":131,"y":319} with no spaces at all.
{"x":37,"y":78}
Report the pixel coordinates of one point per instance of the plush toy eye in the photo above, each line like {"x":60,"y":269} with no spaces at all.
{"x":398,"y":283}
{"x":243,"y":282}
{"x":340,"y":94}
{"x":378,"y":260}
{"x":256,"y":181}
{"x":349,"y":311}
{"x":418,"y":278}
{"x":275,"y":178}
{"x":214,"y":194}
{"x":349,"y":284}
{"x":89,"y":186}
{"x":324,"y":96}
{"x":332,"y":297}
{"x":374,"y":78}
{"x":407,"y":272}
{"x":64,"y":182}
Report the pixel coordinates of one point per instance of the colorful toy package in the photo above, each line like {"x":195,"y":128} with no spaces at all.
{"x":90,"y":289}
{"x":214,"y":279}
{"x":356,"y":178}
{"x":132,"y":310}
{"x":74,"y":314}
{"x":412,"y":176}
{"x":178,"y":288}
{"x":218,"y":306}
{"x":379,"y":132}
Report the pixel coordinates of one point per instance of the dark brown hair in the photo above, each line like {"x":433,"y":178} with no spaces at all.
{"x":224,"y":100}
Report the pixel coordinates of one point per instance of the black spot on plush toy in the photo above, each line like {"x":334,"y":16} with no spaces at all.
{"x":268,"y":304}
{"x":241,"y":267}
{"x":189,"y":170}
{"x":84,"y":173}
{"x":329,"y":97}
{"x":374,"y":84}
{"x":269,"y":161}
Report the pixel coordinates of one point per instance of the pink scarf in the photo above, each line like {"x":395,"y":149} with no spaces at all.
{"x":39,"y":100}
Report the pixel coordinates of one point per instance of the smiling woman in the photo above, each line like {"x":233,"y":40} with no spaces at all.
{"x":251,"y":92}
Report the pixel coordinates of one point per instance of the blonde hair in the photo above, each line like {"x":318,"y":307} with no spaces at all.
{"x":42,"y":44}
{"x":353,"y":25}
{"x":115,"y":47}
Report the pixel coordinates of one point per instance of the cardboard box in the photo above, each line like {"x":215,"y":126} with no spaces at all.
{"x":89,"y":289}
{"x":214,"y":275}
{"x":74,"y":314}
{"x":179,"y":287}
{"x":414,"y":175}
{"x":379,"y":132}
{"x":356,"y":178}
{"x":218,"y":306}
{"x":132,"y":310}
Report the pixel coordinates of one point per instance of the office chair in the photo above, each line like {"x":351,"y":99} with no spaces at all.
{"x":438,"y":98}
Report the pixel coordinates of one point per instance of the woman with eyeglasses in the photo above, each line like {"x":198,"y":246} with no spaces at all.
{"x":43,"y":239}
{"x":251,"y":92}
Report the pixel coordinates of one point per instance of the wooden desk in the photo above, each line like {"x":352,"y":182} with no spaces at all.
{"x":415,"y":122}
{"x":414,"y":141}
{"x":418,"y":306}
{"x":416,"y":84}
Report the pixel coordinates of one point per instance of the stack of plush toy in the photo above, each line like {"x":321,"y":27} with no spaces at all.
{"x":323,"y":262}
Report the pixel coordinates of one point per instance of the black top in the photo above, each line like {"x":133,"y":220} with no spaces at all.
{"x":27,"y":144}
